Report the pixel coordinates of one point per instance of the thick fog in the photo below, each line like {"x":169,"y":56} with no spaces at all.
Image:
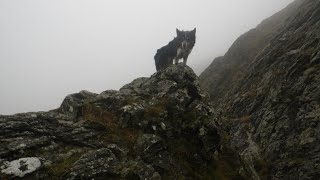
{"x":49,"y":49}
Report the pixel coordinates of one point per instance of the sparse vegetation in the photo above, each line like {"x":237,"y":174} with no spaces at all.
{"x":114,"y":133}
{"x":98,"y":115}
{"x":154,"y":111}
{"x":59,"y":170}
{"x":245,"y":119}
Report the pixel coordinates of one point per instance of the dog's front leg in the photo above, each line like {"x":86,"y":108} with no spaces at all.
{"x":176,"y":60}
{"x":185,"y":60}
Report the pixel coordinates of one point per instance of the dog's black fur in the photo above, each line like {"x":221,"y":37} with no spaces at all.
{"x":179,"y":48}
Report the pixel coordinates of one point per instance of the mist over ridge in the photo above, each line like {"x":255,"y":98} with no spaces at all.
{"x":49,"y":49}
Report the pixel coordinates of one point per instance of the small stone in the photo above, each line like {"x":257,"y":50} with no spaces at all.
{"x":163,"y":126}
{"x":154,"y":127}
{"x":202,"y":131}
{"x":126,"y":108}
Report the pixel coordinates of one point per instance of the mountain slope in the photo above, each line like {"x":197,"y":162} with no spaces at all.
{"x":218,"y":78}
{"x":267,"y":88}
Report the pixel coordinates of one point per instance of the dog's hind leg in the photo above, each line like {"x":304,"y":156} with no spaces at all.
{"x":185,"y":60}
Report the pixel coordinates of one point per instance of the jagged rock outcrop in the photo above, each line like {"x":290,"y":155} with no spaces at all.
{"x":266,"y":89}
{"x":160,"y":127}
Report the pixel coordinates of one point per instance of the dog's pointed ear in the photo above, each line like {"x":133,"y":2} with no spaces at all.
{"x":194,"y":30}
{"x":178,"y":31}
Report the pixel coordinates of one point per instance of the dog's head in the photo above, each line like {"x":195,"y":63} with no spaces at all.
{"x":187,"y":38}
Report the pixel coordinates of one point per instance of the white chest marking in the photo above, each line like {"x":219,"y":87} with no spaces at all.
{"x":179,"y":51}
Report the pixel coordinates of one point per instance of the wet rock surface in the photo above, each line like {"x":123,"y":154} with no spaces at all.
{"x":160,"y":127}
{"x":268,"y":95}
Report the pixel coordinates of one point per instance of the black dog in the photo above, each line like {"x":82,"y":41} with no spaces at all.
{"x":179,"y":48}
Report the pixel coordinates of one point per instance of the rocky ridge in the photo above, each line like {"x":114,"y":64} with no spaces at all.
{"x":160,"y":127}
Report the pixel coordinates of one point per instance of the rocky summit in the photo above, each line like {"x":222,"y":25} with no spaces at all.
{"x":258,"y":118}
{"x":160,"y":127}
{"x":266,"y":90}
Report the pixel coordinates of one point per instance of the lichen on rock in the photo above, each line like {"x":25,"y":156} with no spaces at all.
{"x":21,"y":167}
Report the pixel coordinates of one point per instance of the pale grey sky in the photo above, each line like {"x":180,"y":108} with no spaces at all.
{"x":51,"y":48}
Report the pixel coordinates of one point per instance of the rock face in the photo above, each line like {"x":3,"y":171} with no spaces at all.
{"x":160,"y":127}
{"x":267,"y":88}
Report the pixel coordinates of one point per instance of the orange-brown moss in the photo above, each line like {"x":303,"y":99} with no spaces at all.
{"x":114,"y":133}
{"x":245,"y":119}
{"x":98,"y":115}
{"x":153,"y":111}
